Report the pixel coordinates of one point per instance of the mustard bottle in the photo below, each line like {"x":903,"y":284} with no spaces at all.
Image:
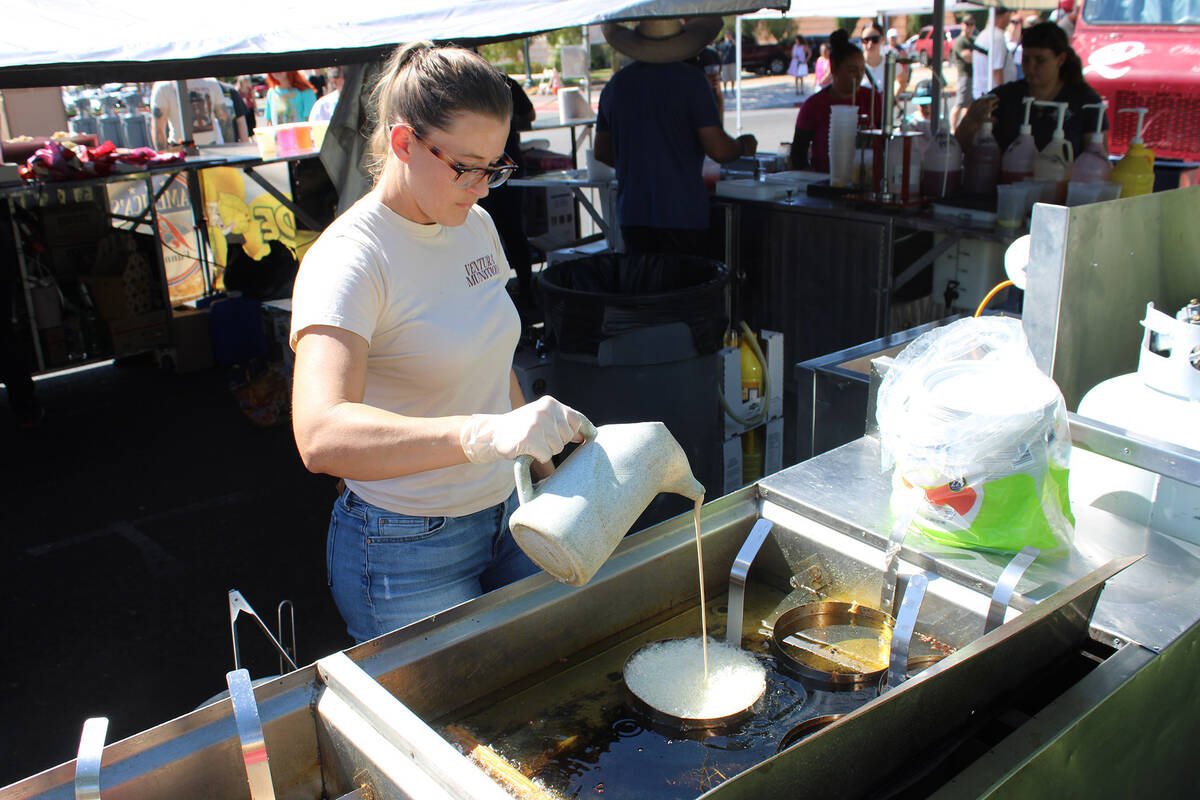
{"x":1135,"y":172}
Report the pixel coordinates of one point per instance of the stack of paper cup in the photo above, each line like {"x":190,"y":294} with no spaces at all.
{"x":843,"y":128}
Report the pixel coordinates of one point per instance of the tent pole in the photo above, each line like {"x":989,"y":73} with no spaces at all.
{"x":528,"y":73}
{"x":991,"y":75}
{"x":737,"y":78}
{"x":937,"y":53}
{"x":185,"y":111}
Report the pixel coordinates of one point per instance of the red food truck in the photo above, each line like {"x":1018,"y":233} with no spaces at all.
{"x":1146,"y":54}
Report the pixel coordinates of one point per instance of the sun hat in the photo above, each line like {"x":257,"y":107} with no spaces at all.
{"x":661,"y":41}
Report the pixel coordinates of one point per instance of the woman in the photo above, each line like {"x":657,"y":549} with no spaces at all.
{"x":799,"y":66}
{"x":812,"y":123}
{"x":823,"y":73}
{"x":404,"y":336}
{"x":1052,"y":72}
{"x":289,"y":98}
{"x":872,"y":39}
{"x":245,"y":88}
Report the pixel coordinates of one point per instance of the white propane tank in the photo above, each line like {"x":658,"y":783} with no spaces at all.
{"x":1160,"y":401}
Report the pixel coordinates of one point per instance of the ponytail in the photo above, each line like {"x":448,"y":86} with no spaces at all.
{"x":840,"y":47}
{"x":426,"y":87}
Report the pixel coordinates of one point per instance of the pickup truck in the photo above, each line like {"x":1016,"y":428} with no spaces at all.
{"x":765,"y":59}
{"x":923,"y":46}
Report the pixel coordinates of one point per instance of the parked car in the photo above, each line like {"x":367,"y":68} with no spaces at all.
{"x":765,"y":59}
{"x":922,"y":48}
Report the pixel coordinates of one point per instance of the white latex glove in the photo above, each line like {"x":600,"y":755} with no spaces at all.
{"x":540,"y":429}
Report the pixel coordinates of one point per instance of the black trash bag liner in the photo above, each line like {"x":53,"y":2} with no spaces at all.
{"x":590,"y":300}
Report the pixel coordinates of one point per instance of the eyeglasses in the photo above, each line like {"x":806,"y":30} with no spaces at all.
{"x":468,"y":177}
{"x":871,"y":39}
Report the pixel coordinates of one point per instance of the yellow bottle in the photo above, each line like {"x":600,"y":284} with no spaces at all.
{"x":752,"y":372}
{"x":1135,"y":172}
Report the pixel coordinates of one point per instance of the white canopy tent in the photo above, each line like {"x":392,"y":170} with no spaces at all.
{"x":93,"y":41}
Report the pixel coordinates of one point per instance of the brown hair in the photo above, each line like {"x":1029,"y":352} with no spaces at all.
{"x":426,"y":86}
{"x":1051,"y":37}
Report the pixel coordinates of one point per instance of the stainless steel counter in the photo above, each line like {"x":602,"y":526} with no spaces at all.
{"x":1151,"y":603}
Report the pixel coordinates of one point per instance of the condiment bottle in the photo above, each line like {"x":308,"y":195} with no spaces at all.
{"x":1135,"y":172}
{"x":941,"y":167}
{"x":1017,"y":164}
{"x":1093,"y":165}
{"x":1055,"y":160}
{"x":983,"y":162}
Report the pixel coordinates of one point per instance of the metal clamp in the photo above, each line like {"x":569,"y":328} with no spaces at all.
{"x":1005,"y":586}
{"x":249,"y":728}
{"x":891,"y":564}
{"x":239,"y":605}
{"x":737,"y":580}
{"x":87,"y":762}
{"x":906,"y":623}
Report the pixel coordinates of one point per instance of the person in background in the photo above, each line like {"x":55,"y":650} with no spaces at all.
{"x":812,"y":123}
{"x":1053,"y":72}
{"x":728,"y":50}
{"x":1064,"y":16}
{"x":211,"y":111}
{"x":962,"y":54}
{"x":506,"y":204}
{"x":245,"y":88}
{"x":234,"y":128}
{"x":798,"y":67}
{"x":992,"y":64}
{"x":316,"y":79}
{"x":872,"y":38}
{"x":708,"y":61}
{"x":921,"y":119}
{"x":404,"y":338}
{"x":290,"y":97}
{"x":902,"y":71}
{"x":657,"y":121}
{"x":823,"y":72}
{"x":322,"y":110}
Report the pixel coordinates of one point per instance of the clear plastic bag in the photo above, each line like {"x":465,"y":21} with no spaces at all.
{"x":978,"y":438}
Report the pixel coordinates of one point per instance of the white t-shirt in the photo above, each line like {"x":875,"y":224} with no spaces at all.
{"x":209,"y":109}
{"x":322,"y":110}
{"x":980,"y":72}
{"x":431,"y":302}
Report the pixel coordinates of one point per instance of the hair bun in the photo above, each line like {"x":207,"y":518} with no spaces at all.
{"x":839,"y":36}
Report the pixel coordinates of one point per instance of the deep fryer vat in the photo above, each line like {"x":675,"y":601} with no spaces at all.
{"x":376,"y":710}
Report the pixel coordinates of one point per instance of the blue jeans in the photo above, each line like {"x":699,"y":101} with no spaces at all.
{"x":387,"y":569}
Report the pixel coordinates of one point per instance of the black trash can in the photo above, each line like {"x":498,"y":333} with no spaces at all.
{"x":636,"y":339}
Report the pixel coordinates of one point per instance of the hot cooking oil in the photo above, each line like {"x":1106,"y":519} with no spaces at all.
{"x":579,"y":734}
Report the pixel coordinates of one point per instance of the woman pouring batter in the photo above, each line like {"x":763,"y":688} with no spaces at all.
{"x":404,"y":338}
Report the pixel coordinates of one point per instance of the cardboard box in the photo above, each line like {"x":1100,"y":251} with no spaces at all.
{"x":550,"y":217}
{"x":141,"y":333}
{"x":72,"y":223}
{"x":191,"y":340}
{"x":71,"y":260}
{"x":125,"y":282}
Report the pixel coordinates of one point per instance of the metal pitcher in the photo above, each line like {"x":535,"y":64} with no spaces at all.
{"x":574,"y":520}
